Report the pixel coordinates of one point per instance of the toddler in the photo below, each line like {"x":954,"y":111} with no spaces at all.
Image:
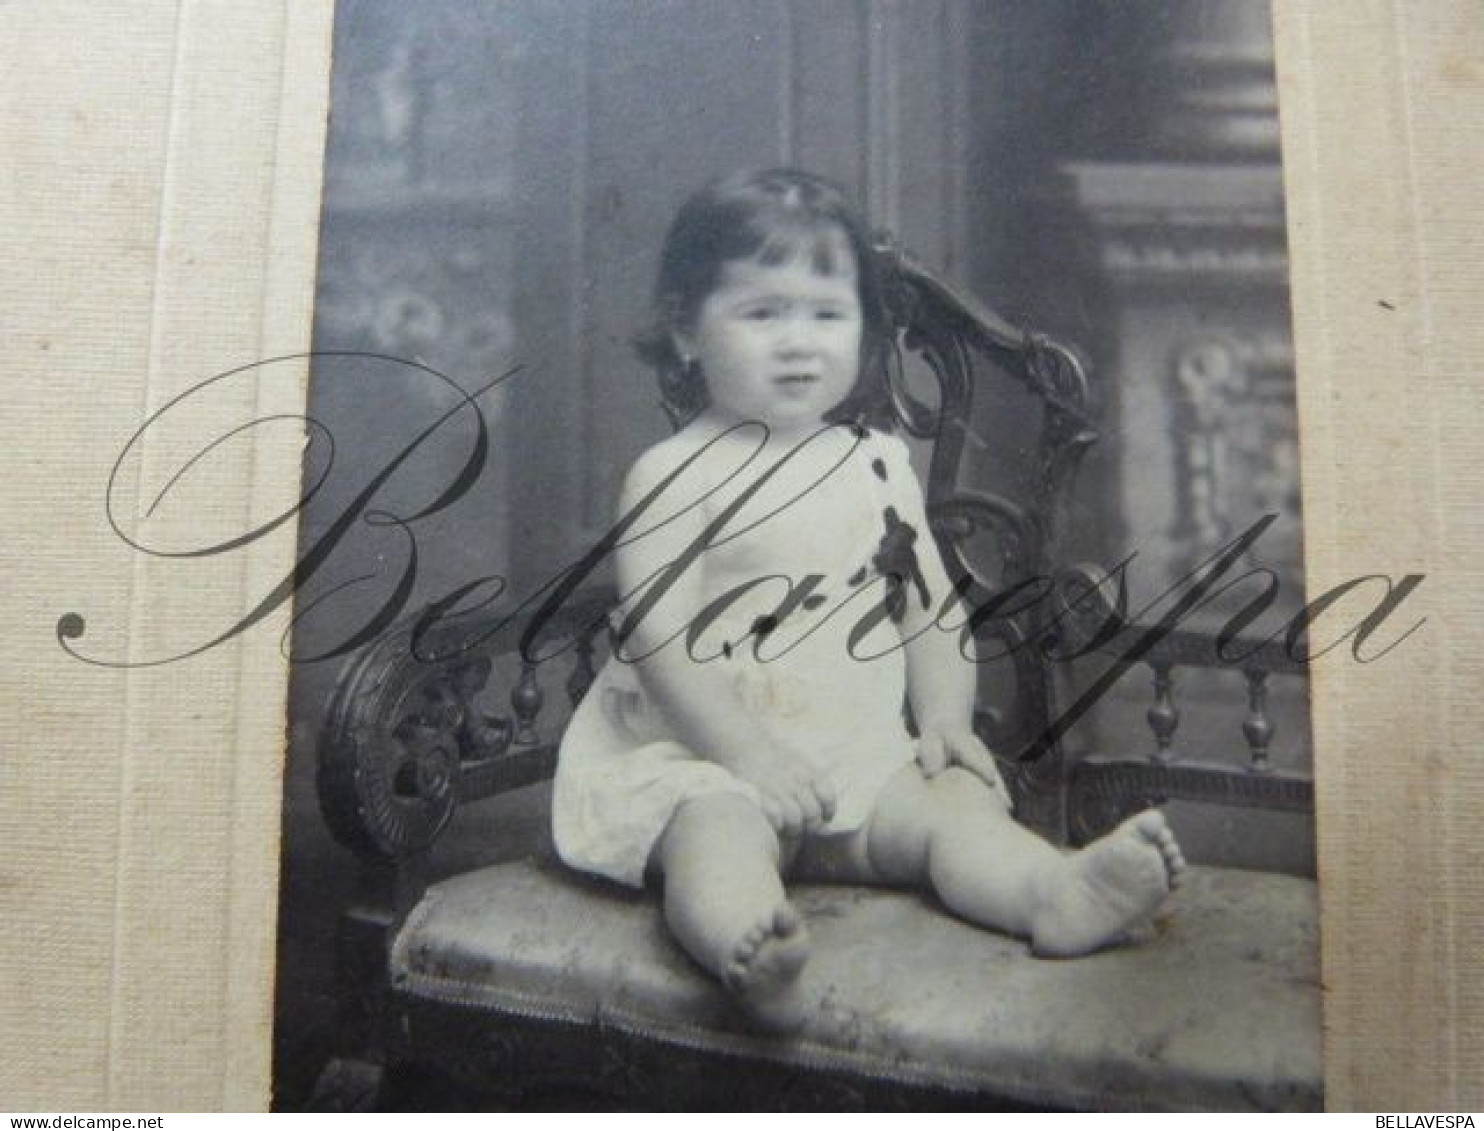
{"x":781,"y":589}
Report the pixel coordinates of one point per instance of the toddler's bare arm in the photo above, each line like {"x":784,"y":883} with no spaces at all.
{"x":941,"y":681}
{"x":698,"y":698}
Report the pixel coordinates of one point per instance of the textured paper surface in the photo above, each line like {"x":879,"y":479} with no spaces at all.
{"x":160,"y":178}
{"x":1382,"y":105}
{"x":160,"y":182}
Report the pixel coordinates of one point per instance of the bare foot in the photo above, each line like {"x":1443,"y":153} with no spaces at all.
{"x":765,"y":967}
{"x":1108,"y":887}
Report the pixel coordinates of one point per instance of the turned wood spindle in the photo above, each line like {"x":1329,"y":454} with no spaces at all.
{"x":525,"y":701}
{"x":1258,"y":728}
{"x":1164,"y":716}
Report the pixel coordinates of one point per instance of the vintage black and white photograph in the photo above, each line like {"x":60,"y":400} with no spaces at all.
{"x":800,"y":598}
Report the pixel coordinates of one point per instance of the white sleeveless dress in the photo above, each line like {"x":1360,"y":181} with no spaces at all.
{"x":621,"y":773}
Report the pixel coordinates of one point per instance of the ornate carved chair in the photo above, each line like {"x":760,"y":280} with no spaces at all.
{"x":522,"y":976}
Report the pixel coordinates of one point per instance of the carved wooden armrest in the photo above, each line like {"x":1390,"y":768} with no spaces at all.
{"x":413,"y":729}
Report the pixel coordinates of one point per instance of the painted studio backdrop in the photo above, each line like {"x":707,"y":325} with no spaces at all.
{"x":498,"y":181}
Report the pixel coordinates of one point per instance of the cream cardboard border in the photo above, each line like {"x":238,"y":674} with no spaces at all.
{"x":160,"y":183}
{"x":160,"y":172}
{"x":1382,"y":105}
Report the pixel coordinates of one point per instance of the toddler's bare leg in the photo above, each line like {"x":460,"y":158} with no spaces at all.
{"x":725,"y":904}
{"x":953,"y":834}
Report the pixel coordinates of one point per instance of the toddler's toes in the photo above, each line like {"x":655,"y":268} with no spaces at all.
{"x":1151,"y":825}
{"x":763,"y":971}
{"x":787,"y":921}
{"x":1174,"y":859}
{"x":1177,"y":868}
{"x":747,"y":945}
{"x":734,"y":977}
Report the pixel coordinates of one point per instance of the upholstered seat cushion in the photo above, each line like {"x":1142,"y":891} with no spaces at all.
{"x":1217,"y":1008}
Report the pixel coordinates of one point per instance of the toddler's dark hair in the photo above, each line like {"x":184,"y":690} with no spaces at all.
{"x":771,"y":215}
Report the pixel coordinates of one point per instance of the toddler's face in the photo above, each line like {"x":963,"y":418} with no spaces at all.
{"x":780,"y":343}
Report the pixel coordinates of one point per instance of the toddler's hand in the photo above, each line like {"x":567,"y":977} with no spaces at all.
{"x":939,"y":749}
{"x":793,"y":802}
